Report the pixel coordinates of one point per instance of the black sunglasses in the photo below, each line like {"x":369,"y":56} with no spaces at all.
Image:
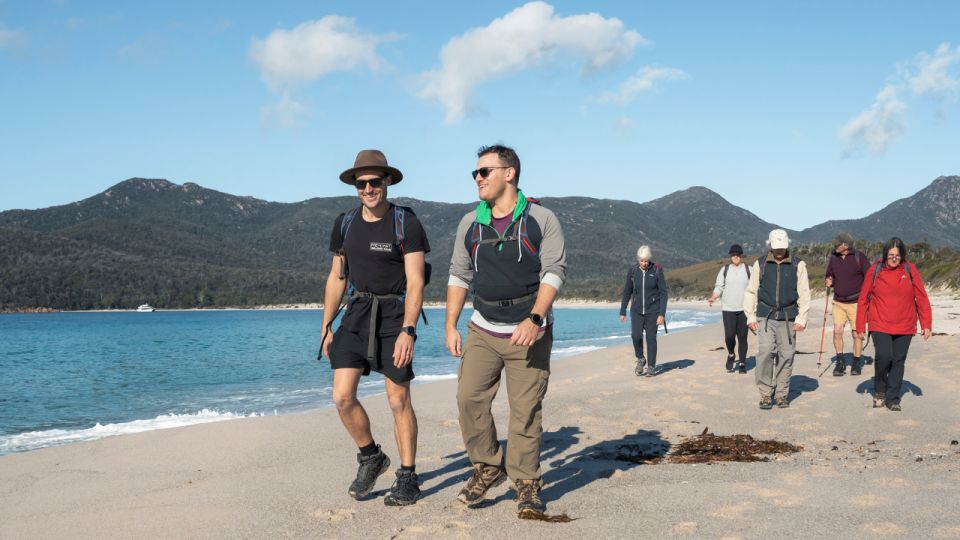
{"x":484,"y":171}
{"x":374,"y":183}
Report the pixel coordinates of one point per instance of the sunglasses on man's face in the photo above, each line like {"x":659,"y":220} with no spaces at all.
{"x":485,"y":171}
{"x":374,"y":183}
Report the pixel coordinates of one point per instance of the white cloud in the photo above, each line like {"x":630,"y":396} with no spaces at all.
{"x":624,"y":124}
{"x":641,"y":82}
{"x":875,"y":128}
{"x":934,"y":72}
{"x":284,"y":114}
{"x":529,"y":36}
{"x":12,"y":39}
{"x":288,"y":58}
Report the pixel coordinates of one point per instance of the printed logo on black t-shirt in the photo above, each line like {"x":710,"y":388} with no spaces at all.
{"x":383,"y":247}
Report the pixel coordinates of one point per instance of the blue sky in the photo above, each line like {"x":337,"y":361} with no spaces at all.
{"x":799,"y":113}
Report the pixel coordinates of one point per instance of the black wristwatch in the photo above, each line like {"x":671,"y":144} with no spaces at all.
{"x":537,"y":319}
{"x":410,"y":331}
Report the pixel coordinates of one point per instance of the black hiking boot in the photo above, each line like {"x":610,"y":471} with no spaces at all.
{"x":895,"y":407}
{"x":370,"y":468}
{"x":878,"y":400}
{"x":856,"y":366}
{"x":839,"y":369}
{"x":729,"y":364}
{"x":405,"y":490}
{"x":742,"y":368}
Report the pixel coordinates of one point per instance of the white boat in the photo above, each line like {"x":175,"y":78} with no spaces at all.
{"x":146,"y":308}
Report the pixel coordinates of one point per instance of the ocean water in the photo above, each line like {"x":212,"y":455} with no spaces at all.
{"x":67,"y":377}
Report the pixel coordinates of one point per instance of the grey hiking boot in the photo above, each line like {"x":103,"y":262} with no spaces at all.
{"x":878,"y":400}
{"x":840,"y":367}
{"x":484,"y":477}
{"x":766,"y":402}
{"x":405,"y":490}
{"x":370,"y":468}
{"x":895,"y":407}
{"x":528,"y":497}
{"x":638,"y":369}
{"x":783,"y":402}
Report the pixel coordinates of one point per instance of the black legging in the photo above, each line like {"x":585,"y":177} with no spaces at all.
{"x":891,"y":350}
{"x":735,"y":332}
{"x":640,"y":325}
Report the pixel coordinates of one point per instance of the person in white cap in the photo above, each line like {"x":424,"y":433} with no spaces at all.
{"x":776,"y":302}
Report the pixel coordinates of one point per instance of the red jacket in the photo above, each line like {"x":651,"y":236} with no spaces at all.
{"x":893,"y":306}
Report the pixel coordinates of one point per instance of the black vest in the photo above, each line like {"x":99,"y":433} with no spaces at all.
{"x":777,"y":296}
{"x":507,"y":272}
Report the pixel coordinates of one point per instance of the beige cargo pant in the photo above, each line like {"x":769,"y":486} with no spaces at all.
{"x":777,"y":345}
{"x":527,"y":370}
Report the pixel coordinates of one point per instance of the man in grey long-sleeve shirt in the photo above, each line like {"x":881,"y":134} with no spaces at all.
{"x":732,"y":281}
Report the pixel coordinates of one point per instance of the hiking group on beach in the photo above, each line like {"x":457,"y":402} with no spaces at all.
{"x":510,"y":251}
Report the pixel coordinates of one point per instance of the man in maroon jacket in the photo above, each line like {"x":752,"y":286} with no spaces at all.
{"x":845,"y":273}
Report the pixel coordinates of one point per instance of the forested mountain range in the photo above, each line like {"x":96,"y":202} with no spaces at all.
{"x":177,"y":246}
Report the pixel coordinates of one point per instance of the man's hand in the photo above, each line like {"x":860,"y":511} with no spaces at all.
{"x":453,"y":342}
{"x":926,"y":333}
{"x":828,"y":282}
{"x":711,"y":300}
{"x":525,"y":333}
{"x":798,"y":327}
{"x":623,"y":318}
{"x":327,"y":340}
{"x":660,"y":320}
{"x":403,"y":350}
{"x":754,"y":326}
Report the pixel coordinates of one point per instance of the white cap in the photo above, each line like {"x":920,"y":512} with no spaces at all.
{"x":778,"y":239}
{"x":644,"y":254}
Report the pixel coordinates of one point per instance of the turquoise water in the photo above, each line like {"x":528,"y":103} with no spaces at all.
{"x":68,"y":377}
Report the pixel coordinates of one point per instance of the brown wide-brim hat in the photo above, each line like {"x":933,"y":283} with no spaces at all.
{"x":371,"y":160}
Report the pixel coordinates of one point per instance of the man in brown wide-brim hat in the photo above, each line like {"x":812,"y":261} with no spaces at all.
{"x":378,"y":255}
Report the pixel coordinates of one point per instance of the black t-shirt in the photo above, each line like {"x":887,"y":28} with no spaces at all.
{"x":375,"y":266}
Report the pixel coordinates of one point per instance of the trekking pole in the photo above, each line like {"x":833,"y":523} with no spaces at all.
{"x":823,"y":330}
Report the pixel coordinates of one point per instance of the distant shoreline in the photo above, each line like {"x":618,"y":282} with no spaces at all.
{"x":683,"y":303}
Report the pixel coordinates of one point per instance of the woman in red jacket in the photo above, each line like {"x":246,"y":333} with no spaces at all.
{"x":891,"y":300}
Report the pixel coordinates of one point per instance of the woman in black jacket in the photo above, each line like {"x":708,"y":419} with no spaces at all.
{"x":647,"y":287}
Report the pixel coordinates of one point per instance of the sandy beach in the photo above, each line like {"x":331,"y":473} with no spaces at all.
{"x":862,"y":472}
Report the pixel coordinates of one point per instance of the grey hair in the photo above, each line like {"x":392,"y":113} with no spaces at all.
{"x":644,"y":253}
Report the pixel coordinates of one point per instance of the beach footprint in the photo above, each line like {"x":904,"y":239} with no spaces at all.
{"x":336,"y":515}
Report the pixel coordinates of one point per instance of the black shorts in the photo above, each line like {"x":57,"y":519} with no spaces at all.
{"x":349,"y":350}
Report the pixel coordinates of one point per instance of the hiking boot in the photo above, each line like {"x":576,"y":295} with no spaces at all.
{"x":856,"y":366}
{"x":649,"y":371}
{"x":484,"y":477}
{"x":743,"y":368}
{"x":370,"y":468}
{"x":766,"y":402}
{"x":895,"y":407}
{"x":783,"y":402}
{"x":839,"y":368}
{"x":528,"y":497}
{"x":878,"y":400}
{"x":405,"y":489}
{"x":638,"y":369}
{"x":729,"y":364}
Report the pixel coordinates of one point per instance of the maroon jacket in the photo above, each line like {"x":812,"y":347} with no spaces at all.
{"x":847,"y":273}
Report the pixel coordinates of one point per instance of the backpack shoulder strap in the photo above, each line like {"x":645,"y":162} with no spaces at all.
{"x":747,"y":268}
{"x":726,"y":267}
{"x":347,"y":221}
{"x":399,"y":216}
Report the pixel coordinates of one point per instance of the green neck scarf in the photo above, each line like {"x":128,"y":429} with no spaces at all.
{"x":485,"y":213}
